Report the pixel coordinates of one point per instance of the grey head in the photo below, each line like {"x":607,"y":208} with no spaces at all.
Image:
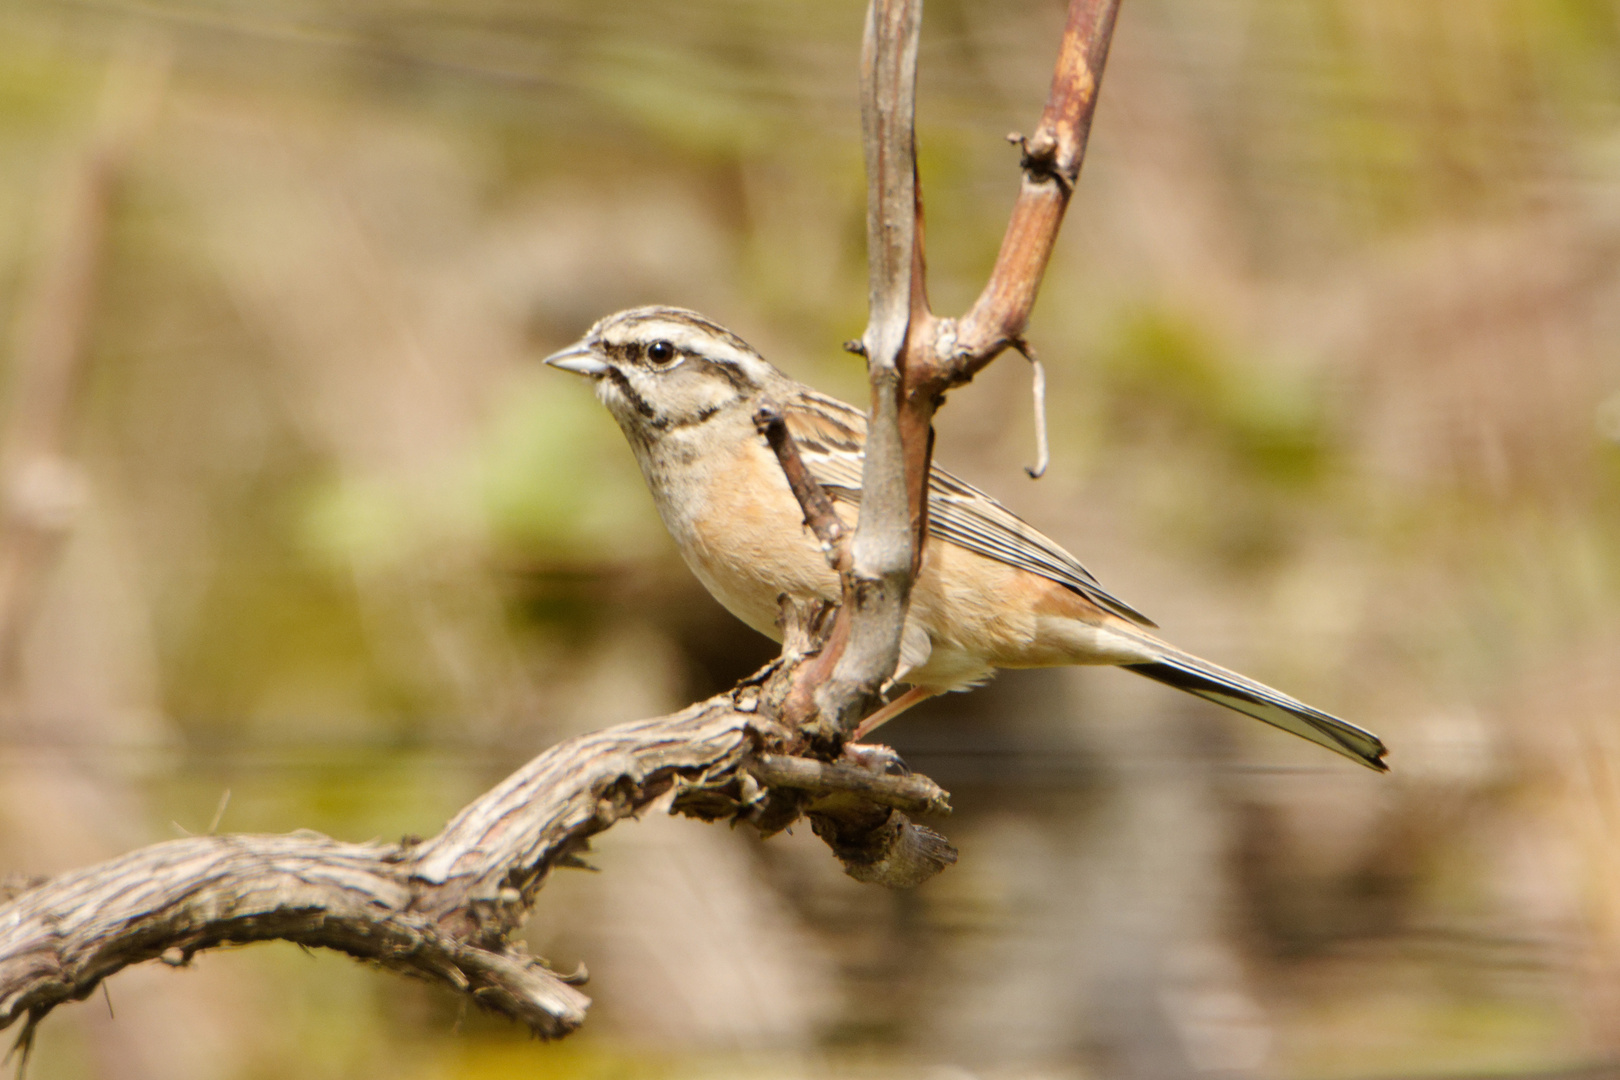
{"x":664,"y":369}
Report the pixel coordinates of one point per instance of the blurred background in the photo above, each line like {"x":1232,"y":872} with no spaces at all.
{"x":298,"y":534}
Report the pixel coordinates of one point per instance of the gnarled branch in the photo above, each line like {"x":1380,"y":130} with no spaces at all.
{"x":444,"y":908}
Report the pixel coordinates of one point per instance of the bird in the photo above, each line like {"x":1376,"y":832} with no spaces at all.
{"x":992,"y":591}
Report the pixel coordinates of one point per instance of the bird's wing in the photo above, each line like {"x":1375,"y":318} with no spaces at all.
{"x":832,"y":436}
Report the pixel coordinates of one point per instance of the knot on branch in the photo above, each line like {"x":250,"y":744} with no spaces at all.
{"x":882,"y":847}
{"x":1038,"y":157}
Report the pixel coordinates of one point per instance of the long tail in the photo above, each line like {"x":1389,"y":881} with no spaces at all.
{"x":1214,"y":683}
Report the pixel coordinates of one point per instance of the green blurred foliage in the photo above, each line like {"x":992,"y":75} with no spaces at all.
{"x":1267,"y":426}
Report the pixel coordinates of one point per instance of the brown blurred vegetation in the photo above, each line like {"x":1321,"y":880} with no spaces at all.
{"x":1335,"y":396}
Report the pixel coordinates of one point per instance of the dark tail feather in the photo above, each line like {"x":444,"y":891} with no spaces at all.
{"x":1263,"y":703}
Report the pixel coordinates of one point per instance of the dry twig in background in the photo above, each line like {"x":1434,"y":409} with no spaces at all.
{"x":40,"y":488}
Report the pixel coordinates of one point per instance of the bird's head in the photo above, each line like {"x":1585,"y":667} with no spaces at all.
{"x":662,"y":369}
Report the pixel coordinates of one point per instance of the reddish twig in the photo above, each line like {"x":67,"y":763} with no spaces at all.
{"x":1051,"y":161}
{"x":813,"y":499}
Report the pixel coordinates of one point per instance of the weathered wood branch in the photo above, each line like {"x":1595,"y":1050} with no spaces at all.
{"x":59,"y":940}
{"x":871,"y":779}
{"x":877,"y":587}
{"x":444,"y":908}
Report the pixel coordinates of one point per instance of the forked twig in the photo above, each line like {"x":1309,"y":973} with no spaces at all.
{"x":914,"y":357}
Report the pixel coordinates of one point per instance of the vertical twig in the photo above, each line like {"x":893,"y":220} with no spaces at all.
{"x":864,"y":648}
{"x":893,"y":208}
{"x":913,"y":357}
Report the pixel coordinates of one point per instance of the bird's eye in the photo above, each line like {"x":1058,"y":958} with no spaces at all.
{"x":660,"y":352}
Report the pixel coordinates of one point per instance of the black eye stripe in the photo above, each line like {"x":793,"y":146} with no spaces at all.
{"x":641,"y":404}
{"x":660,"y":353}
{"x":642,"y":354}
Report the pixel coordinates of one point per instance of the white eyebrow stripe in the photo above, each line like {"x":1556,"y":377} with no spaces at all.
{"x":694,"y":339}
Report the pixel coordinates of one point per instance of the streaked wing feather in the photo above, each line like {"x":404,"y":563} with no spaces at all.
{"x":831,"y":436}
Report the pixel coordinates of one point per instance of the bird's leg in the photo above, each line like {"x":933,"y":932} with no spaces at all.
{"x":893,"y":709}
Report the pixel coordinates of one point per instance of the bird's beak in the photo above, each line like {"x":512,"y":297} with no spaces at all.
{"x":579,"y":358}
